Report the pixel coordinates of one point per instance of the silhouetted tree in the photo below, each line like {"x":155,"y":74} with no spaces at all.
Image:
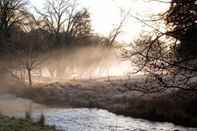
{"x":57,"y":14}
{"x":31,"y":46}
{"x":12,"y":14}
{"x":81,"y":26}
{"x":116,"y":31}
{"x":30,"y":56}
{"x":170,"y":57}
{"x":67,"y":25}
{"x":181,"y":20}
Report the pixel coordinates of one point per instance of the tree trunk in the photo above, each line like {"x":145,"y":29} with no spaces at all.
{"x":29,"y":76}
{"x":196,"y":99}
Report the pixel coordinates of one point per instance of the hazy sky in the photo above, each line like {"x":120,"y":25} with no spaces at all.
{"x":105,"y":14}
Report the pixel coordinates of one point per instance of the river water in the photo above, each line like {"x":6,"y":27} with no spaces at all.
{"x":81,"y":119}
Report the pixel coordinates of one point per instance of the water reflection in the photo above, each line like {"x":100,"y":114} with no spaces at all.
{"x":11,"y":106}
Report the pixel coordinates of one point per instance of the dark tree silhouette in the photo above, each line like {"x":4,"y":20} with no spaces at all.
{"x":55,"y":15}
{"x":170,"y":57}
{"x":12,"y":15}
{"x":181,"y":20}
{"x":81,"y":26}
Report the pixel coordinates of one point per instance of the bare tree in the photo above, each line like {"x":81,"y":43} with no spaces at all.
{"x":81,"y":24}
{"x":29,"y":62}
{"x":64,"y":20}
{"x":29,"y":55}
{"x":12,"y":15}
{"x":24,"y":61}
{"x":65,"y":23}
{"x":113,"y":35}
{"x":30,"y":58}
{"x":58,"y":16}
{"x":158,"y":59}
{"x":169,"y":58}
{"x":12,"y":12}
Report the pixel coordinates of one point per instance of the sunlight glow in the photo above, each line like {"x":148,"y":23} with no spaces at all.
{"x":106,"y":15}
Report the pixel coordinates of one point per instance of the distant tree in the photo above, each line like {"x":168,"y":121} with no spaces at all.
{"x":29,"y":61}
{"x":67,"y":26}
{"x":27,"y":57}
{"x":80,"y":30}
{"x":57,"y":14}
{"x":115,"y":33}
{"x":12,"y":15}
{"x":31,"y":48}
{"x":81,"y":26}
{"x":117,"y":30}
{"x":12,"y":12}
{"x":30,"y":56}
{"x":65,"y":21}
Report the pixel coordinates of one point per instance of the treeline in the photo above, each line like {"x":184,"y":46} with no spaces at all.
{"x":49,"y":35}
{"x":60,"y":24}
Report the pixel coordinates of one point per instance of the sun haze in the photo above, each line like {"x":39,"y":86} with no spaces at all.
{"x":106,"y":15}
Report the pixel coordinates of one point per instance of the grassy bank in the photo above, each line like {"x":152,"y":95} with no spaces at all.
{"x":12,"y":124}
{"x":178,"y":107}
{"x":166,"y":108}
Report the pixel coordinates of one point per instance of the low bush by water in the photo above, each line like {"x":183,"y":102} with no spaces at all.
{"x":12,"y":124}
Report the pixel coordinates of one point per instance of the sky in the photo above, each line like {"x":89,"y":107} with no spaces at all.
{"x":105,"y":15}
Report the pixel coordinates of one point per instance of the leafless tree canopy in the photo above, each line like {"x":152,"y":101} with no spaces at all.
{"x":12,"y":13}
{"x":170,"y":57}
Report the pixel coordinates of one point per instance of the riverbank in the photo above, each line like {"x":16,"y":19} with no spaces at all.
{"x":178,"y":107}
{"x":12,"y":124}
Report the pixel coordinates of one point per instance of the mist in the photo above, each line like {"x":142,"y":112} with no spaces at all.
{"x":70,"y":64}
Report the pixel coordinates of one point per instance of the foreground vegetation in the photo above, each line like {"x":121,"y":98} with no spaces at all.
{"x":12,"y":124}
{"x":180,"y":111}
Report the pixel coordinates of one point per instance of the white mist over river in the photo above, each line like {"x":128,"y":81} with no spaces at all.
{"x":81,"y":119}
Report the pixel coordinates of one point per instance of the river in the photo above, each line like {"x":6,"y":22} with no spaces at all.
{"x":81,"y":119}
